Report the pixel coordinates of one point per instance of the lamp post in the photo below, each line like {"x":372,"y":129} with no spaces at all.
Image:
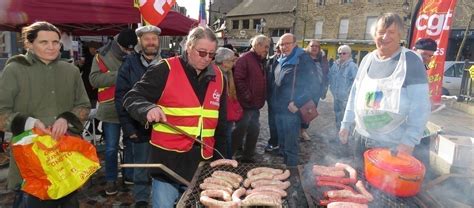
{"x":263,"y":23}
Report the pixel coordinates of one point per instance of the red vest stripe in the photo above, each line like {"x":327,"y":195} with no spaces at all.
{"x":104,"y":94}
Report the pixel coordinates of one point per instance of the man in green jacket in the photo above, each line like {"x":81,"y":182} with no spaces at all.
{"x":103,"y":77}
{"x":38,"y":90}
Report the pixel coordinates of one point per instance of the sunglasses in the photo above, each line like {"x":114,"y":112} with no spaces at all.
{"x":343,"y":53}
{"x":204,"y":54}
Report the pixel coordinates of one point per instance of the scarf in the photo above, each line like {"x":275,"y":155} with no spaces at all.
{"x":146,"y":63}
{"x":284,"y":63}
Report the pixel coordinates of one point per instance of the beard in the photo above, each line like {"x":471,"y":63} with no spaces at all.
{"x":150,"y":50}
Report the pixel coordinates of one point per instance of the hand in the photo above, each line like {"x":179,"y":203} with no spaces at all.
{"x":292,"y":107}
{"x":59,"y":128}
{"x":343,"y":135}
{"x":155,"y":115}
{"x":40,"y":126}
{"x":405,"y":149}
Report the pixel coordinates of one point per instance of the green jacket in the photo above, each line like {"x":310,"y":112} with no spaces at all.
{"x":112,"y":59}
{"x":30,"y":88}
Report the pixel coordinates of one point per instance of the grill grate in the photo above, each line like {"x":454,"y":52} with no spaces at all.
{"x":191,"y":197}
{"x":313,"y":194}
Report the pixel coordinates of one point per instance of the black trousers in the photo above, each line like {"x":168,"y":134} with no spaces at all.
{"x":30,"y":201}
{"x":247,"y":128}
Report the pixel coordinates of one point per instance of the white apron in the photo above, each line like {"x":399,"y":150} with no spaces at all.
{"x":377,"y":101}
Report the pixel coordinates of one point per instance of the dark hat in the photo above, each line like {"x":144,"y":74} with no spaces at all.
{"x":127,"y":38}
{"x":426,"y":44}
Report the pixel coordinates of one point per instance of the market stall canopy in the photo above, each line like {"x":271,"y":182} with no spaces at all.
{"x":85,"y":17}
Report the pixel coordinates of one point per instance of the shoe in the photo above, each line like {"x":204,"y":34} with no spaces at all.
{"x":305,"y":136}
{"x":270,"y":148}
{"x":111,"y":188}
{"x":141,"y":204}
{"x":127,"y":181}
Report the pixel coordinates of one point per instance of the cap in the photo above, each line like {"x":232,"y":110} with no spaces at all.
{"x":147,"y":29}
{"x":127,"y":38}
{"x":426,"y":44}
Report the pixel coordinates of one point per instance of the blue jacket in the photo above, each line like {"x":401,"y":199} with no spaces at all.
{"x":341,"y":76}
{"x":130,"y":72}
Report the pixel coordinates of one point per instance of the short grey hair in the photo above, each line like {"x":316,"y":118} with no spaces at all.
{"x":344,"y":48}
{"x":199,"y":33}
{"x":223,"y":54}
{"x":387,"y":20}
{"x":259,"y":39}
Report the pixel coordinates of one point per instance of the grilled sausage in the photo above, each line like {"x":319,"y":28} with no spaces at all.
{"x":328,"y":171}
{"x":342,"y":194}
{"x":217,"y":194}
{"x":218,"y":181}
{"x":261,"y":200}
{"x":259,"y":170}
{"x":361,"y":188}
{"x":336,"y":179}
{"x":233,"y":181}
{"x":228,"y":174}
{"x":346,"y":205}
{"x":260,"y":176}
{"x":211,"y":186}
{"x":325,"y":202}
{"x":220,"y":162}
{"x":280,"y":192}
{"x":237,"y":194}
{"x":210,"y":202}
{"x":283,"y":176}
{"x":348,"y":168}
{"x":279,"y":184}
{"x":334,"y":184}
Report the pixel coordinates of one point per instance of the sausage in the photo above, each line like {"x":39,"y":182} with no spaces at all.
{"x":208,"y":186}
{"x":348,"y":168}
{"x":263,"y":175}
{"x":336,"y":179}
{"x":233,"y":181}
{"x":258,"y":170}
{"x":342,"y":194}
{"x":361,"y":188}
{"x":325,"y":202}
{"x":279,"y":184}
{"x":210,"y":202}
{"x":261,"y":200}
{"x":283,"y":176}
{"x":280,"y":192}
{"x":220,"y":162}
{"x":228,"y":174}
{"x":218,"y":181}
{"x":266,"y":193}
{"x":346,"y":205}
{"x":334,"y":184}
{"x":217,"y":194}
{"x":328,"y":171}
{"x":237,"y":194}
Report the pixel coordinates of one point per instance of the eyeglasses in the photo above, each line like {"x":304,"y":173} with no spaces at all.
{"x":204,"y":54}
{"x":342,"y":53}
{"x":286,"y":44}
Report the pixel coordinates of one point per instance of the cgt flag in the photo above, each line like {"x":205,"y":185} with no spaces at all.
{"x":433,"y":20}
{"x":202,"y":13}
{"x":154,"y":11}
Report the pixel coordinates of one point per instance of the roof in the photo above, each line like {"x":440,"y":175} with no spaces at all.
{"x":252,"y":7}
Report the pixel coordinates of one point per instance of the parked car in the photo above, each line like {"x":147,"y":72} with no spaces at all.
{"x":452,"y":77}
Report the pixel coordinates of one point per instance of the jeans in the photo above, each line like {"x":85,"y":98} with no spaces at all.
{"x":339,"y":109}
{"x":165,"y":194}
{"x":128,"y":157}
{"x":288,"y":129}
{"x":272,"y":126}
{"x":248,"y":127}
{"x":228,"y":135}
{"x":111,"y":133}
{"x":141,"y":187}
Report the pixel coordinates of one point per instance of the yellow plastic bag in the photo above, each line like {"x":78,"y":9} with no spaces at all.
{"x":50,"y":168}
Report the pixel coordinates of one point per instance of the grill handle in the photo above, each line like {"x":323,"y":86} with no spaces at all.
{"x":162,"y":167}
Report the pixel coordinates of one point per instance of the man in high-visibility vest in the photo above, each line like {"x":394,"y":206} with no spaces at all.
{"x":103,"y":77}
{"x":188,"y":92}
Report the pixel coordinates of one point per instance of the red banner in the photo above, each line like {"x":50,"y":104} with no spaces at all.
{"x":154,"y":11}
{"x":433,"y":20}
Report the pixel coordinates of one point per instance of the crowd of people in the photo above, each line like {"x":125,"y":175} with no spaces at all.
{"x":384,"y":102}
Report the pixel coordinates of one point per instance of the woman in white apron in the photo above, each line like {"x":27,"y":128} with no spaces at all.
{"x":389,"y":100}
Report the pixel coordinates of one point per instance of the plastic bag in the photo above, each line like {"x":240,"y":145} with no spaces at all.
{"x":52,"y":169}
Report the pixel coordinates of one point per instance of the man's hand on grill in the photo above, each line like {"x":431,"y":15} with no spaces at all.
{"x":155,"y":115}
{"x":343,"y":135}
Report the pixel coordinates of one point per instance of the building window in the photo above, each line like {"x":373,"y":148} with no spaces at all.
{"x":346,"y":1}
{"x":343,"y":28}
{"x":235,"y":24}
{"x":277,"y":32}
{"x":256,"y":22}
{"x":368,"y":27}
{"x":245,"y":24}
{"x":318,"y":29}
{"x":320,"y":2}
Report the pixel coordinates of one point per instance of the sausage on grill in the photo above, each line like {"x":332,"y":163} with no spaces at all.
{"x":343,"y":194}
{"x":211,"y":186}
{"x":217,"y":194}
{"x":283,"y":176}
{"x":361,"y":188}
{"x":261,"y":200}
{"x":348,"y":168}
{"x":228,"y":174}
{"x":328,"y":171}
{"x":334,"y":184}
{"x":259,"y":170}
{"x":280,"y":192}
{"x":220,"y":162}
{"x":218,"y":181}
{"x":346,"y":205}
{"x":233,"y":181}
{"x":279,"y":184}
{"x":237,"y":194}
{"x":336,"y":179}
{"x":260,"y":176}
{"x":210,"y":202}
{"x":325,"y":202}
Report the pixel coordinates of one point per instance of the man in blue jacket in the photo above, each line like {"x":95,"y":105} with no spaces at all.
{"x":131,"y":71}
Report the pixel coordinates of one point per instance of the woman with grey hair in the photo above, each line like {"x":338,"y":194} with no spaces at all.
{"x":225,"y":59}
{"x":389,"y":100}
{"x":185,"y":91}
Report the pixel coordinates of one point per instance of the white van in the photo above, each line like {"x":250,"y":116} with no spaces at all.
{"x":452,"y":77}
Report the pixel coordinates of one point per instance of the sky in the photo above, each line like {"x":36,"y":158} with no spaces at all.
{"x":192,"y":7}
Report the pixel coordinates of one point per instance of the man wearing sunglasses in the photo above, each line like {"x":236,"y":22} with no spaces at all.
{"x":189,"y":93}
{"x":250,"y":84}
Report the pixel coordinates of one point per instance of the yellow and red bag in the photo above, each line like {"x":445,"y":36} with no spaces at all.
{"x":50,"y":168}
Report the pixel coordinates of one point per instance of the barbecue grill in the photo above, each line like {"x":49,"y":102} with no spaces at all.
{"x":191,"y":197}
{"x":313,"y":193}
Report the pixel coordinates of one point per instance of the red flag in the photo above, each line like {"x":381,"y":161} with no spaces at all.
{"x":154,"y":11}
{"x":433,"y":20}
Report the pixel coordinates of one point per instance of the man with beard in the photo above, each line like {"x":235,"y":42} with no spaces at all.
{"x":131,"y":71}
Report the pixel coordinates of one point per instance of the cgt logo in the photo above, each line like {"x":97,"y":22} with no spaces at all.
{"x":434,"y":24}
{"x":373,"y":99}
{"x":216,"y":96}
